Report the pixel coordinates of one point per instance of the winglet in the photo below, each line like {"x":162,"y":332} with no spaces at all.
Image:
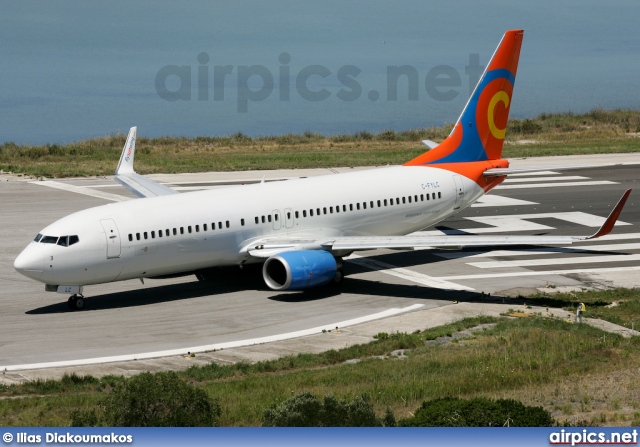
{"x":128,"y":152}
{"x":613,"y":217}
{"x":127,"y":177}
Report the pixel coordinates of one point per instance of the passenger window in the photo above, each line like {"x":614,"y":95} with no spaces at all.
{"x":219,"y":225}
{"x":330,"y":210}
{"x":175,"y":231}
{"x":409,"y":199}
{"x":181,"y":230}
{"x":242,"y":222}
{"x":269,"y":217}
{"x":324,"y":210}
{"x":317,"y":211}
{"x":160,"y":233}
{"x":262,"y":219}
{"x":146,"y":236}
{"x":358,"y":206}
{"x":63,"y":241}
{"x":257,"y":220}
{"x":167,"y":233}
{"x":311,"y":213}
{"x":289,"y":214}
{"x":189,"y":229}
{"x":153,"y":235}
{"x":304,"y":213}
{"x":275,"y":216}
{"x":403,"y":200}
{"x":227,"y":224}
{"x":422,"y":197}
{"x":350,"y":207}
{"x":439,"y":195}
{"x":433,"y":195}
{"x":371,"y":204}
{"x":137,"y":236}
{"x":379,"y":204}
{"x":197,"y":228}
{"x":38,"y":237}
{"x":297,"y":215}
{"x":364,"y":205}
{"x":73,"y":240}
{"x":130,"y":237}
{"x":415,"y":198}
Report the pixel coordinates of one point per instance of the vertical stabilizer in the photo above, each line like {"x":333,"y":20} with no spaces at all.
{"x":479,"y":132}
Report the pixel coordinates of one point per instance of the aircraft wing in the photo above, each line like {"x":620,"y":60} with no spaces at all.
{"x":127,"y":177}
{"x":143,"y":186}
{"x":270,"y":247}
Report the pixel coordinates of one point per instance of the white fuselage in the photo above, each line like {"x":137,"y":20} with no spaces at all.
{"x":175,"y":233}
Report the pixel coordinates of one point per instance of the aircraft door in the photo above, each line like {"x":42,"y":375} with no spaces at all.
{"x":288,"y":218}
{"x":113,"y":238}
{"x":277,"y":221}
{"x":459,"y":191}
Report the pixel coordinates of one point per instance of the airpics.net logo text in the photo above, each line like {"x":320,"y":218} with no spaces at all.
{"x":255,"y":83}
{"x":591,"y":437}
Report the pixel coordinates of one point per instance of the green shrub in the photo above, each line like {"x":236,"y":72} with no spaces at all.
{"x":306,"y":410}
{"x":478,"y":412}
{"x":152,"y":400}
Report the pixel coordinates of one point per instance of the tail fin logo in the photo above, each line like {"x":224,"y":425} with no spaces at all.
{"x":133,"y":141}
{"x":501,"y":96}
{"x":492,"y":113}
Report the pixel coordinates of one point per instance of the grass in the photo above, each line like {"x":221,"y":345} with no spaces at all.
{"x":598,"y":131}
{"x":536,"y":360}
{"x":620,"y":306}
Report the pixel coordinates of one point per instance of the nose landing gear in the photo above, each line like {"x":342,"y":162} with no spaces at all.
{"x":76,"y":302}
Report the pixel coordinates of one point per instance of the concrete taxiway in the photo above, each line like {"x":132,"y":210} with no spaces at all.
{"x":129,"y":320}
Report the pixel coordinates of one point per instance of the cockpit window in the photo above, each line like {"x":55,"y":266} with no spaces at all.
{"x":49,"y":240}
{"x":63,"y":241}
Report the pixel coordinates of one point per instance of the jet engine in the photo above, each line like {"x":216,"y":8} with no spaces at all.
{"x":297,"y":270}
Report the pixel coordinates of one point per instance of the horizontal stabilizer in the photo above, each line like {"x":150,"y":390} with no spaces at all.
{"x":500,"y":172}
{"x":430,"y":144}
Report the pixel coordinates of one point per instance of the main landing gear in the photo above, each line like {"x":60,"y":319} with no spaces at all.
{"x":339,"y":277}
{"x":76,"y":302}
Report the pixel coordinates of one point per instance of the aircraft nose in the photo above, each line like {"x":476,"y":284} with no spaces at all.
{"x":29,"y":263}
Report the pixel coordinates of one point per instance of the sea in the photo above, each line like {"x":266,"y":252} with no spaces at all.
{"x":72,"y":70}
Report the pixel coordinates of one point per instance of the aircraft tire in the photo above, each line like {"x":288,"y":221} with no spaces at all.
{"x":75,"y":302}
{"x":339,"y":277}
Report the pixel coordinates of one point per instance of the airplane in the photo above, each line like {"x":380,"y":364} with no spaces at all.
{"x":301,"y":229}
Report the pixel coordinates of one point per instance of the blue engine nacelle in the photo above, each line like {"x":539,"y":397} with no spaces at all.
{"x":297,"y":270}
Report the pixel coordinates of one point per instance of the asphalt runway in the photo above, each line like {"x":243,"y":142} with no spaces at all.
{"x":129,"y":318}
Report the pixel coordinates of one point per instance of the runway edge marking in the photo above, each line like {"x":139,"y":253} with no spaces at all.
{"x":214,"y":347}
